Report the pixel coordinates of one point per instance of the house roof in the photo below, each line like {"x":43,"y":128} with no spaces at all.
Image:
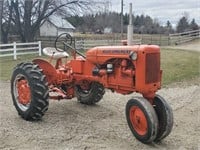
{"x":60,"y":22}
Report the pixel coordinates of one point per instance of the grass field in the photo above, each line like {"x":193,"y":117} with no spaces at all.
{"x":7,"y":64}
{"x":176,"y":65}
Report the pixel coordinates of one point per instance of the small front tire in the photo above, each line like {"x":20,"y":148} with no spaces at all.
{"x":142,"y":119}
{"x":165,"y":117}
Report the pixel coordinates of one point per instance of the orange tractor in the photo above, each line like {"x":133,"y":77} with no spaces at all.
{"x":122,"y":69}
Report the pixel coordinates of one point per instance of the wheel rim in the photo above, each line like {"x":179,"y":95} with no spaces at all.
{"x":22,"y":92}
{"x":138,"y":120}
{"x":84,"y":87}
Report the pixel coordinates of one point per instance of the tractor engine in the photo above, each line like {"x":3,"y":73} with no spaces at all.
{"x":127,"y":69}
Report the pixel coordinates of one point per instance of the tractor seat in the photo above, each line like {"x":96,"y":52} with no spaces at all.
{"x":52,"y":52}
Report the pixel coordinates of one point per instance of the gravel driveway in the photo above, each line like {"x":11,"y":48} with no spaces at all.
{"x":68,"y":125}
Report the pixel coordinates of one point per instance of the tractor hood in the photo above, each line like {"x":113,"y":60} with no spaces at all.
{"x":99,"y":55}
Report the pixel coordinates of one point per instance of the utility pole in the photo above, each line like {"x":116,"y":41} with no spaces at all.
{"x":130,"y":27}
{"x":1,"y":13}
{"x":122,"y":20}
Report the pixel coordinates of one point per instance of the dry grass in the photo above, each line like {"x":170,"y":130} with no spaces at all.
{"x":179,"y":65}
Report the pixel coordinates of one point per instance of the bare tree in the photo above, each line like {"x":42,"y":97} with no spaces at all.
{"x":29,"y":15}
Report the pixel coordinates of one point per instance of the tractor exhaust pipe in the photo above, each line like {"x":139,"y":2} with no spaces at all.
{"x":130,"y":27}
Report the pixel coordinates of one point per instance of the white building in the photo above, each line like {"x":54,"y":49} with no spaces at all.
{"x":55,"y":25}
{"x":107,"y":30}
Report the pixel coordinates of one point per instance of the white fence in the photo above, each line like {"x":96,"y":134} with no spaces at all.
{"x":14,"y":49}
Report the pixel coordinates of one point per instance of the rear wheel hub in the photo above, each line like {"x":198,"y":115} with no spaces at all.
{"x":23,"y":92}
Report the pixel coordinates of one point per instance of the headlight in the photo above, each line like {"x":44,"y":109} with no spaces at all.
{"x":133,"y":55}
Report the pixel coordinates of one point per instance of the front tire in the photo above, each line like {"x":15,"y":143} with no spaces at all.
{"x":29,"y":91}
{"x":142,"y":119}
{"x":165,"y":117}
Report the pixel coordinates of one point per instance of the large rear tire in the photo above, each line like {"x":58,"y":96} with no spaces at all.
{"x":90,"y":96}
{"x":29,"y":91}
{"x":142,"y":119}
{"x":165,"y":117}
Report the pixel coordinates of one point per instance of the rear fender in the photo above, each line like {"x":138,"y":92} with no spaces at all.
{"x":48,"y":70}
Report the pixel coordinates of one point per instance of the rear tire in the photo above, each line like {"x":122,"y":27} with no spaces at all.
{"x":165,"y":117}
{"x":91,"y":96}
{"x":142,"y":119}
{"x":29,"y":91}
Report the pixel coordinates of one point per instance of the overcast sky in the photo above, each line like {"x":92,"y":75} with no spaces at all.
{"x":163,"y":10}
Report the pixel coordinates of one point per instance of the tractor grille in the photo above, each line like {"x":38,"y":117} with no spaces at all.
{"x":152,"y":67}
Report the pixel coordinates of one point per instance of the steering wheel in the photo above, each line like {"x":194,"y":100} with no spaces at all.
{"x":64,"y":40}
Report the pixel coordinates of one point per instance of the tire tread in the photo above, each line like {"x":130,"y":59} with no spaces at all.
{"x":39,"y":91}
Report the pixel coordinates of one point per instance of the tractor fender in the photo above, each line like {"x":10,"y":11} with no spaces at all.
{"x":48,"y":70}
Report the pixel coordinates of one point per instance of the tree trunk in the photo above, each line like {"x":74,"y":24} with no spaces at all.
{"x":24,"y":27}
{"x":5,"y":27}
{"x":27,"y":21}
{"x":15,"y":5}
{"x":4,"y":37}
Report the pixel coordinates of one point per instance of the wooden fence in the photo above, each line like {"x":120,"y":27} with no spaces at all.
{"x":184,"y":37}
{"x":86,"y":43}
{"x":155,"y":39}
{"x":14,"y":49}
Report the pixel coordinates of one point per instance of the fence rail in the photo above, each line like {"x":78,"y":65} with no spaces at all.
{"x":87,"y":44}
{"x":183,"y":37}
{"x":15,"y":49}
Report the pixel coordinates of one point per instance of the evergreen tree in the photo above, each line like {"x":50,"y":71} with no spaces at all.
{"x":169,"y":24}
{"x":183,"y":25}
{"x":194,"y":25}
{"x":168,"y":28}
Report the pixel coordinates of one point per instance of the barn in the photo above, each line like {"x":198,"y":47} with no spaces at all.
{"x":55,"y":25}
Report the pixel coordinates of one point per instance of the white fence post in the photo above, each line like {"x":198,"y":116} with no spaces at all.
{"x":15,"y":50}
{"x":40,"y":48}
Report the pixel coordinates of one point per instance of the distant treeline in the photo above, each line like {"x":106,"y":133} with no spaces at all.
{"x":143,"y":24}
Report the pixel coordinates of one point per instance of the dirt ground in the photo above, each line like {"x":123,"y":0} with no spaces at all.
{"x":69,"y":125}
